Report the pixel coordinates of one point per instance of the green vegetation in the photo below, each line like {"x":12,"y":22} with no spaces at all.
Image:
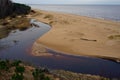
{"x":13,"y":16}
{"x":8,"y":8}
{"x":19,"y":70}
{"x":5,"y":8}
{"x":21,"y":9}
{"x":16,"y":63}
{"x":17,"y":77}
{"x":15,"y":70}
{"x":39,"y":74}
{"x":3,"y":65}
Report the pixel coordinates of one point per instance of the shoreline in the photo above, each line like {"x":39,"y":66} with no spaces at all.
{"x":59,"y":25}
{"x":43,"y":52}
{"x":99,"y":18}
{"x":28,"y":70}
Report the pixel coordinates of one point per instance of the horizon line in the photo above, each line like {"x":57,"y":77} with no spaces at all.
{"x":73,"y":4}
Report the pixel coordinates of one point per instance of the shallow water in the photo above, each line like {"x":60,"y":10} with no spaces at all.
{"x":17,"y":45}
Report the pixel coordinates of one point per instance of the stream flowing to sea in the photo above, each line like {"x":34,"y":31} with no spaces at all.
{"x":17,"y":46}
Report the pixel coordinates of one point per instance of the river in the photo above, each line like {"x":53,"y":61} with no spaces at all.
{"x":17,"y":46}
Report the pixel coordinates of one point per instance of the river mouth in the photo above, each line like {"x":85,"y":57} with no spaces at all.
{"x":17,"y":45}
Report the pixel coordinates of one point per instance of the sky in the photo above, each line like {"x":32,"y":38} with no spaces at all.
{"x":68,"y":1}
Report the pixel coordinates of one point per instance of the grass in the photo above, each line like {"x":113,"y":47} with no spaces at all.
{"x":65,"y":22}
{"x":21,"y":23}
{"x":114,"y":37}
{"x":48,"y":16}
{"x":51,"y":22}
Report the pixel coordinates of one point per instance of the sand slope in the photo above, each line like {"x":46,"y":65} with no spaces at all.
{"x":79,"y":35}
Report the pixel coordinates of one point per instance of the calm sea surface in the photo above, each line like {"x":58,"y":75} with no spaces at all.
{"x":110,"y":12}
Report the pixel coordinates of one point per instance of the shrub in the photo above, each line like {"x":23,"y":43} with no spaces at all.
{"x":8,"y":8}
{"x":16,"y":63}
{"x":114,"y":37}
{"x":17,"y":77}
{"x":39,"y":74}
{"x":19,"y":69}
{"x":3,"y":65}
{"x":47,"y":78}
{"x":5,"y":8}
{"x":48,"y":16}
{"x":21,"y":8}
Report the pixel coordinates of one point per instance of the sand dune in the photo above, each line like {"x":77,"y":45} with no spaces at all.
{"x":79,"y":35}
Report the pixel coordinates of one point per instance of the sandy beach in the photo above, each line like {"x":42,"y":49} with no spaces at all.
{"x":80,"y":35}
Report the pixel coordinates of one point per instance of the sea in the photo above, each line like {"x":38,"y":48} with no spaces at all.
{"x":109,"y":12}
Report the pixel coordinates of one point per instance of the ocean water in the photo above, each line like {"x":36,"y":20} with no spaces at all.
{"x":109,"y":12}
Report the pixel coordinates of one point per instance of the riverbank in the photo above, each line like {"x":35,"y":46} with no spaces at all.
{"x":79,"y":35}
{"x":8,"y":24}
{"x":18,"y":70}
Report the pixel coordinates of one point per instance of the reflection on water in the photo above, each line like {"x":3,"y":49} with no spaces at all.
{"x":4,"y":32}
{"x":19,"y":45}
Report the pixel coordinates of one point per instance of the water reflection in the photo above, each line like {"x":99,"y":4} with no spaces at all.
{"x":4,"y":32}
